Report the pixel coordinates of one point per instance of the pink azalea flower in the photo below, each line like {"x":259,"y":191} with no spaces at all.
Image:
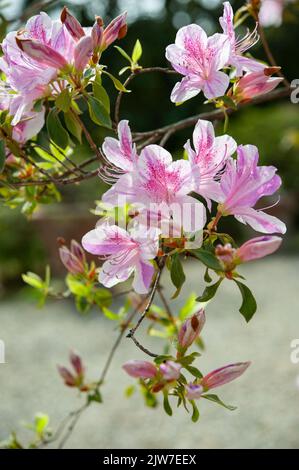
{"x":243,"y":184}
{"x":121,"y":153}
{"x":271,"y":12}
{"x":239,"y":46}
{"x":73,"y":258}
{"x":191,"y":329}
{"x":223,"y":375}
{"x":124,"y":253}
{"x":157,"y":185}
{"x":208,"y":157}
{"x":200,"y":59}
{"x":258,"y":247}
{"x":140,"y":369}
{"x":170,"y":370}
{"x":256,"y":83}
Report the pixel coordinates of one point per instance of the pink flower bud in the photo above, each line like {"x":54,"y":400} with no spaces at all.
{"x":170,"y":370}
{"x":97,"y":32}
{"x":193,"y":391}
{"x":226,"y":255}
{"x":72,"y":24}
{"x":42,"y":53}
{"x":258,"y":247}
{"x":73,"y":263}
{"x":256,"y":83}
{"x":77,"y":363}
{"x":140,"y":369}
{"x":191,"y":329}
{"x":224,"y":375}
{"x":83,"y":52}
{"x":67,"y":376}
{"x":117,"y":29}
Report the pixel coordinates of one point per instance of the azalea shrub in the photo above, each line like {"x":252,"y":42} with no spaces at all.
{"x":158,"y":210}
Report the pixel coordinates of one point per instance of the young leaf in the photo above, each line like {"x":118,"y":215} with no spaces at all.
{"x":189,"y":308}
{"x":123,"y":53}
{"x":109,"y":314}
{"x":118,"y":85}
{"x":209,"y":292}
{"x":177,"y":274}
{"x":55,"y":129}
{"x":248,"y":307}
{"x":2,"y":155}
{"x":33,"y":280}
{"x":217,"y":400}
{"x":98,"y":113}
{"x":137,"y":52}
{"x":195,"y":414}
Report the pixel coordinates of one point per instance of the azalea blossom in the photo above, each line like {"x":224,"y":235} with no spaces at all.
{"x":271,"y":12}
{"x":199,"y":59}
{"x":243,"y":184}
{"x":223,"y":375}
{"x":208,"y":157}
{"x":254,"y":84}
{"x":124,"y":254}
{"x":239,"y":46}
{"x":74,"y":258}
{"x":191,"y":329}
{"x":158,"y":186}
{"x":170,"y":370}
{"x":253,"y":249}
{"x":193,"y":391}
{"x":140,"y":369}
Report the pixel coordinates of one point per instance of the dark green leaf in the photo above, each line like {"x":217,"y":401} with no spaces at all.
{"x":248,"y":307}
{"x":166,"y":405}
{"x":194,"y":371}
{"x":207,"y":258}
{"x":73,"y":126}
{"x":95,"y":396}
{"x":207,"y":277}
{"x":64,"y":100}
{"x":101,"y":95}
{"x":177,"y":274}
{"x":98,"y":113}
{"x":195,"y":414}
{"x":209,"y":292}
{"x":217,"y":400}
{"x":56,"y":131}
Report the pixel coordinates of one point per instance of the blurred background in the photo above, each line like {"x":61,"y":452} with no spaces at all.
{"x":268,"y":396}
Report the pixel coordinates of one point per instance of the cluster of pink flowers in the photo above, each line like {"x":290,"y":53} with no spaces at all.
{"x":44,"y":51}
{"x":202,"y":59}
{"x":166,"y":375}
{"x":152,"y":183}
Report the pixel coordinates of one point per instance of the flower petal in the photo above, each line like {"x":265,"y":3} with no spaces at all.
{"x":260,"y":221}
{"x":186,"y":89}
{"x":144,"y":272}
{"x":216,"y":85}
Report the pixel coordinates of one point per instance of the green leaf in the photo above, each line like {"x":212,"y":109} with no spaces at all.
{"x":117,"y":83}
{"x":207,"y":258}
{"x":101,"y":95}
{"x":189,"y":307}
{"x":177,"y":274}
{"x":248,"y":307}
{"x":95,"y":396}
{"x":166,"y":405}
{"x":217,"y":400}
{"x":41,"y":422}
{"x":194,"y":371}
{"x":76,"y":287}
{"x":123,"y":53}
{"x":33,"y":280}
{"x":55,"y":129}
{"x":209,"y":292}
{"x":207,"y":277}
{"x":195,"y":414}
{"x":98,"y":113}
{"x":228,"y":101}
{"x":109,"y":314}
{"x":129,"y":391}
{"x":64,"y":100}
{"x":73,"y":126}
{"x":103,"y":297}
{"x":2,"y":155}
{"x":137,"y":52}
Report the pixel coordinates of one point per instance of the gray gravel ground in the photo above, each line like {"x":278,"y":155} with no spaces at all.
{"x":267,"y":395}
